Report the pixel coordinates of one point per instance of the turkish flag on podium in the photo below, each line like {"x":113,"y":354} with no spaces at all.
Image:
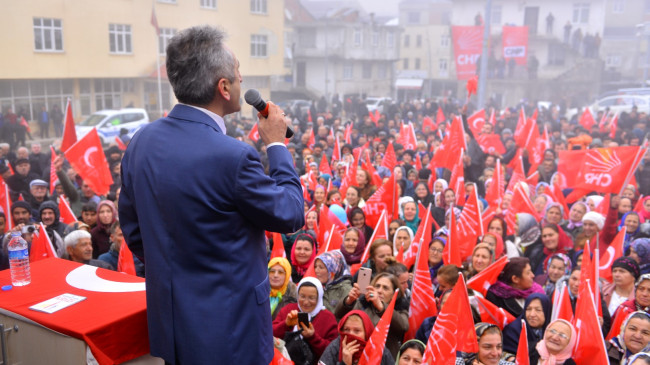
{"x":87,"y":158}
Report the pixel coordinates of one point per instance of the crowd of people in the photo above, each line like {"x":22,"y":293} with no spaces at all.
{"x":545,"y":252}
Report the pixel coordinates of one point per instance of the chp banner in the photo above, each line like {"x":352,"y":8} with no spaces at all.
{"x":468,"y":42}
{"x":515,"y":43}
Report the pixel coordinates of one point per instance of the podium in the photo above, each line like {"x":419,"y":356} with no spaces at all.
{"x":108,"y":327}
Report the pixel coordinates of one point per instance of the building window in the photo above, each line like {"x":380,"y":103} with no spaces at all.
{"x":442,"y":67}
{"x":358,"y":37}
{"x":165,"y":36}
{"x":581,"y":13}
{"x":618,"y":6}
{"x":259,"y":45}
{"x":48,"y":35}
{"x":367,"y":71}
{"x":382,"y":71}
{"x":417,"y":63}
{"x":405,"y":65}
{"x":258,"y":6}
{"x":209,"y":4}
{"x":167,"y":1}
{"x":496,"y":15}
{"x":348,"y":71}
{"x":444,"y":40}
{"x":375,"y":38}
{"x":613,"y":60}
{"x":119,"y":37}
{"x":414,"y":17}
{"x":418,"y":40}
{"x":390,"y":39}
{"x":407,"y":40}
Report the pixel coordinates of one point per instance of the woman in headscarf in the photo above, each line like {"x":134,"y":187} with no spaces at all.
{"x":557,"y":268}
{"x":631,"y":221}
{"x":490,"y":347}
{"x":311,"y":227}
{"x":435,"y":257}
{"x":283,"y":291}
{"x":354,"y":243}
{"x":645,"y":208}
{"x":513,"y":286}
{"x":641,"y":301}
{"x":354,"y":329}
{"x":573,"y":226}
{"x":331,"y":271}
{"x":440,"y":185}
{"x":320,"y":197}
{"x":625,"y":273}
{"x":410,"y":353}
{"x":322,"y":324}
{"x":593,"y":201}
{"x":499,"y":227}
{"x":101,"y":236}
{"x":302,"y":255}
{"x":537,"y":315}
{"x":423,"y":195}
{"x":553,"y":214}
{"x":557,"y":346}
{"x":364,"y":182}
{"x":554,"y":241}
{"x":357,"y":218}
{"x":495,"y":242}
{"x":402,"y":240}
{"x":640,"y":252}
{"x":448,"y":199}
{"x":482,"y":257}
{"x":529,"y":238}
{"x":410,"y":215}
{"x":633,"y":338}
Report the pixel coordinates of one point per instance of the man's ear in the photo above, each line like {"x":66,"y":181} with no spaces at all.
{"x":223,"y":88}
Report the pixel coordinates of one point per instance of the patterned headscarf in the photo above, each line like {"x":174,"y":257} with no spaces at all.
{"x":335,"y":265}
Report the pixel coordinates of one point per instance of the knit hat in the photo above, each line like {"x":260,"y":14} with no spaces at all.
{"x":595,"y":217}
{"x":21,"y":204}
{"x":628,"y":264}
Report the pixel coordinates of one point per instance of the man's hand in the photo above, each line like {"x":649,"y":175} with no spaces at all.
{"x":273,"y":128}
{"x":58,"y":163}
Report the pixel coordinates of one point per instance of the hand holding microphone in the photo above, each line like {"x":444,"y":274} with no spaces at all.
{"x":272,"y":126}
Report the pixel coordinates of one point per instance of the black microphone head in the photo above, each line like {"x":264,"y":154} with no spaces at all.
{"x":254,"y":99}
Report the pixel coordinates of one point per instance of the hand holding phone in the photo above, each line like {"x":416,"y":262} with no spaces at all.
{"x":303,"y":318}
{"x":364,"y":279}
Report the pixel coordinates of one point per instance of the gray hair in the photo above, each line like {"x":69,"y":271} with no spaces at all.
{"x":73,"y":237}
{"x":196,"y":60}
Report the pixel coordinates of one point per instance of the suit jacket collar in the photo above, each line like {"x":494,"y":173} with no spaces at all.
{"x":187,"y":113}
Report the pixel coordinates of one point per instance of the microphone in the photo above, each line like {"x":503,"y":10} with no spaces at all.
{"x":254,"y":99}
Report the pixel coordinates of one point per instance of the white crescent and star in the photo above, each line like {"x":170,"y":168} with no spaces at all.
{"x":87,"y":155}
{"x":85,"y":277}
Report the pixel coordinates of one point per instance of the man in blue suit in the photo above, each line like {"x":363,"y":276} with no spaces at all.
{"x":195,"y":204}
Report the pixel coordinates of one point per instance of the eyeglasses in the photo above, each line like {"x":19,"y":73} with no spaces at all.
{"x":557,"y":333}
{"x":436,"y":250}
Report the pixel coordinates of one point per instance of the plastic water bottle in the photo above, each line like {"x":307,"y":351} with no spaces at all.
{"x":19,"y":260}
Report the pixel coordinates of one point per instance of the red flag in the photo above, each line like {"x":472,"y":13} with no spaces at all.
{"x":587,"y":119}
{"x":515,"y":43}
{"x":472,"y":86}
{"x":619,"y":317}
{"x":120,"y":144}
{"x":613,"y":125}
{"x":520,"y":204}
{"x":125,"y":263}
{"x":69,"y":133}
{"x":451,"y":252}
{"x":423,"y":301}
{"x":324,"y":167}
{"x":476,"y":121}
{"x":380,"y":231}
{"x":21,"y":198}
{"x":279,"y":359}
{"x":24,"y":123}
{"x":469,"y":226}
{"x":481,"y":282}
{"x":606,"y":170}
{"x":87,"y":158}
{"x":589,"y":273}
{"x":467,"y":41}
{"x":491,"y":144}
{"x":614,"y":251}
{"x":422,"y":236}
{"x":522,"y":347}
{"x":590,"y":347}
{"x":440,"y":116}
{"x":494,"y":193}
{"x":374,"y":117}
{"x":603,"y":206}
{"x":490,"y":313}
{"x":336,"y":152}
{"x":453,"y":330}
{"x":390,"y":158}
{"x":535,"y":145}
{"x":67,"y":216}
{"x":457,"y":180}
{"x":278,"y":246}
{"x":523,"y":129}
{"x":447,"y":155}
{"x":53,"y":177}
{"x":5,"y":202}
{"x":385,"y":198}
{"x":559,"y":197}
{"x":312,"y":139}
{"x":376,"y":180}
{"x":564,"y":309}
{"x":428,"y":123}
{"x":407,"y":137}
{"x":347,"y":134}
{"x":254,"y":134}
{"x":41,"y":246}
{"x":418,"y":162}
{"x":377,"y":342}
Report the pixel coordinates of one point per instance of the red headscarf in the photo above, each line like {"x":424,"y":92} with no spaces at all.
{"x":367,"y":326}
{"x":498,"y":249}
{"x":302,"y":268}
{"x":564,"y":243}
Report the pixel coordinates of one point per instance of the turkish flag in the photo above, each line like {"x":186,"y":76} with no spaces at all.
{"x":440,"y":116}
{"x":457,"y":180}
{"x":87,"y":158}
{"x":125,"y":263}
{"x":423,"y":300}
{"x":407,"y":137}
{"x":523,"y":129}
{"x":520,"y":204}
{"x":522,"y":347}
{"x":494,"y":193}
{"x":590,"y":347}
{"x":428,"y":125}
{"x":41,"y":246}
{"x":69,"y":132}
{"x":587,"y":119}
{"x":254,"y":134}
{"x":374,"y":349}
{"x":453,"y":330}
{"x":476,"y":121}
{"x":324,"y":167}
{"x":67,"y":216}
{"x":490,"y":313}
{"x":53,"y":177}
{"x":614,"y":251}
{"x":451,"y":252}
{"x":385,"y":198}
{"x":482,"y":281}
{"x":447,"y":154}
{"x":469,"y":226}
{"x":278,"y":246}
{"x":491,"y":144}
{"x":390,"y":158}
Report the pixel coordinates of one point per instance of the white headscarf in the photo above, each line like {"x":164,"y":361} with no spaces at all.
{"x":402,"y":228}
{"x":319,"y":288}
{"x":596,"y":199}
{"x":444,"y":183}
{"x":596,"y":218}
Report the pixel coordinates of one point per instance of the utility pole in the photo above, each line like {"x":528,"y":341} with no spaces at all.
{"x":484,"y":56}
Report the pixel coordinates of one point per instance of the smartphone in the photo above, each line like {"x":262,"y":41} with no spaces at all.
{"x":303,"y":317}
{"x":364,"y":279}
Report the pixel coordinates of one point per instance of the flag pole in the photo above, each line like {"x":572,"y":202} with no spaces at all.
{"x":634,"y":162}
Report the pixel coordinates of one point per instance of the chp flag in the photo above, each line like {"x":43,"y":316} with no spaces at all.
{"x":468,"y":43}
{"x":515,"y":43}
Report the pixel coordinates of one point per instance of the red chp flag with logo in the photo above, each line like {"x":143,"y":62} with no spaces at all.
{"x":385,"y":198}
{"x":482,"y":281}
{"x":468,"y":44}
{"x":469,"y":226}
{"x":515,"y":43}
{"x":87,"y":158}
{"x":423,"y":300}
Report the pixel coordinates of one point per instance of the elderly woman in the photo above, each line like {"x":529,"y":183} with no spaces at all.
{"x":283,"y":291}
{"x":101,"y":236}
{"x":625,"y":272}
{"x":490,"y":347}
{"x":378,"y":294}
{"x":322,"y":324}
{"x":355,"y":329}
{"x":410,"y":353}
{"x":482,"y":257}
{"x":641,"y":301}
{"x":331,"y":271}
{"x":640,"y":252}
{"x":553,"y":214}
{"x":381,"y":255}
{"x":320,"y":197}
{"x":573,"y":226}
{"x":354,"y":243}
{"x":402,"y":239}
{"x":410,"y":215}
{"x":536,"y":315}
{"x":557,"y":268}
{"x":633,"y":338}
{"x":631,"y":221}
{"x":440,"y":185}
{"x":514,"y":285}
{"x":302,"y":255}
{"x":557,"y":346}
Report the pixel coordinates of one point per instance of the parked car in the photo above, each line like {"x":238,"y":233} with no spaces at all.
{"x":295,"y":106}
{"x":110,"y":122}
{"x":618,"y":104}
{"x":373,"y":103}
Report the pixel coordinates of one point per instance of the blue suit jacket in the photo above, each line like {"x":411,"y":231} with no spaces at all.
{"x":195,"y":203}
